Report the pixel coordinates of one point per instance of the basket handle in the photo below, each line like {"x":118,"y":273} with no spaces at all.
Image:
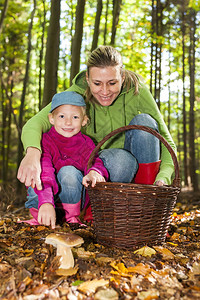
{"x":176,"y":181}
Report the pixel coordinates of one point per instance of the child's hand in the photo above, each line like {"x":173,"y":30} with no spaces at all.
{"x":92,"y":177}
{"x":160,"y":183}
{"x":47,"y":215}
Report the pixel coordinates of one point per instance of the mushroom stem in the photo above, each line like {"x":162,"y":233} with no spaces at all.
{"x":67,"y":259}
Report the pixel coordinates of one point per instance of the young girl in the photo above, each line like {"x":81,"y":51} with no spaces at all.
{"x":65,"y":151}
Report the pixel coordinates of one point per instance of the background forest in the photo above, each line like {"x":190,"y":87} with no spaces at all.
{"x":44,"y":44}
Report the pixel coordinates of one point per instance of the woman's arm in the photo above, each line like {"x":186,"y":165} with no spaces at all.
{"x":33,"y":129}
{"x":30,"y":169}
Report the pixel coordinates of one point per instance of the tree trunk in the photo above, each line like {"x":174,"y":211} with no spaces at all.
{"x":116,"y":13}
{"x":156,"y":49}
{"x":3,"y":134}
{"x":106,"y":23}
{"x":3,"y":14}
{"x":192,"y":99}
{"x":52,"y":53}
{"x":184,"y":103}
{"x":43,"y":24}
{"x":25,"y":81}
{"x":77,"y":39}
{"x":96,"y":26}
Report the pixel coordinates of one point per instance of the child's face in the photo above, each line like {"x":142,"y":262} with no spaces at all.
{"x":68,"y":119}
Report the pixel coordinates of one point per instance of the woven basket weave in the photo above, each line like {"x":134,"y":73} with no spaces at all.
{"x":128,"y":215}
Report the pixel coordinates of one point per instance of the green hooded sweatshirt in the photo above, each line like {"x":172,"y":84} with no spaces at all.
{"x":104,"y":119}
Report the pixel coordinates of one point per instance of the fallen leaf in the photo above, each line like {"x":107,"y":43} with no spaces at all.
{"x":4,"y":268}
{"x":29,"y":252}
{"x":103,"y":259}
{"x":81,"y":253}
{"x":148,"y":295}
{"x":172,"y":244}
{"x":194,"y":271}
{"x":145,"y":251}
{"x":90,"y":286}
{"x":119,"y":267}
{"x":106,"y":294}
{"x":166,"y":254}
{"x":175,"y":237}
{"x":140,"y":269}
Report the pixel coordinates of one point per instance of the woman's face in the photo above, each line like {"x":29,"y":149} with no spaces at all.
{"x":105,"y":83}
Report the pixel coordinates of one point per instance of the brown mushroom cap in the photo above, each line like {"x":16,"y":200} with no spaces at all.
{"x":65,"y":239}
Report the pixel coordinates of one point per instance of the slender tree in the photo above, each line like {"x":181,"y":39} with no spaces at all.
{"x":106,"y":23}
{"x":183,"y":30}
{"x":52,"y":53}
{"x":77,"y":39}
{"x":96,"y":26}
{"x":193,"y":174}
{"x":3,"y":14}
{"x":25,"y":81}
{"x":116,"y":13}
{"x":43,"y":24}
{"x":156,"y":49}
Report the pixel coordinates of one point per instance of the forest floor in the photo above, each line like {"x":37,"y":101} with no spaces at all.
{"x":29,"y":267}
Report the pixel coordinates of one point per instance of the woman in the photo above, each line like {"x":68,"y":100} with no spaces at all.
{"x":115,"y":97}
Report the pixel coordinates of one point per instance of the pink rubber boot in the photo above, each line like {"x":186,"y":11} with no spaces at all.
{"x":34,"y":213}
{"x":146,"y":173}
{"x":72,"y":212}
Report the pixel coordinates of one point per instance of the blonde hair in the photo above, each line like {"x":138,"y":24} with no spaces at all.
{"x":107,"y":56}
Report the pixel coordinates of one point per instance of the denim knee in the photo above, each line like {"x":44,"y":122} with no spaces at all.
{"x":32,"y":198}
{"x":144,"y":120}
{"x":70,"y":180}
{"x":144,"y":146}
{"x":69,"y":175}
{"x":121,"y":164}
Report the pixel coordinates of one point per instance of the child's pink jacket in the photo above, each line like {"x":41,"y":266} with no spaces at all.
{"x":59,"y":151}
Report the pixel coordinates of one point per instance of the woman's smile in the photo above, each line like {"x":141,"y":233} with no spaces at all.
{"x":105,"y":84}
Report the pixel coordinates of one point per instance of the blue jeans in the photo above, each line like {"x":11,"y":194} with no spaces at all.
{"x":122,"y":164}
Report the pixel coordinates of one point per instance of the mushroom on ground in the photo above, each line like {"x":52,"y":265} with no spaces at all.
{"x":64,"y":242}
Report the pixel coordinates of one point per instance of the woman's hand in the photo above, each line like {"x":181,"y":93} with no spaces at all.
{"x":92,"y":177}
{"x":47,"y":215}
{"x":30,"y":168}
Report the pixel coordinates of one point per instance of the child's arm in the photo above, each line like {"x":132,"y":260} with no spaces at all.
{"x":93,"y":177}
{"x":47,"y":215}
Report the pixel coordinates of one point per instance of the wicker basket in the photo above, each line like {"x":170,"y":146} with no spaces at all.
{"x":128,"y":215}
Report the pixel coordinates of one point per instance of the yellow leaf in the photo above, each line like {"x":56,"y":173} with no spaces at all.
{"x":120,"y":267}
{"x":29,"y":252}
{"x":120,"y":274}
{"x":115,"y":280}
{"x":175,"y":236}
{"x":166,"y":254}
{"x":90,"y":286}
{"x":145,"y":251}
{"x":140,"y":269}
{"x":172,"y":244}
{"x":83,"y":254}
{"x":149,"y":294}
{"x":106,"y":294}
